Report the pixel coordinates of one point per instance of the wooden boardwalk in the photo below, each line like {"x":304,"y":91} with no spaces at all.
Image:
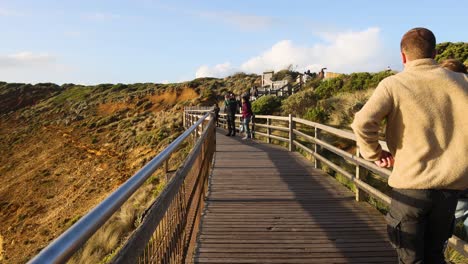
{"x":268,"y":205}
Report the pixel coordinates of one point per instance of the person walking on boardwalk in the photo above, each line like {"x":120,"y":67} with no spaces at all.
{"x":425,"y":110}
{"x":216,"y":113}
{"x":246,"y":115}
{"x":231,"y":110}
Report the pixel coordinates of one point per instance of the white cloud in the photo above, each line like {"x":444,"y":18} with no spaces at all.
{"x":219,"y":70}
{"x":26,"y":59}
{"x":344,"y":52}
{"x":32,"y":67}
{"x":241,"y":21}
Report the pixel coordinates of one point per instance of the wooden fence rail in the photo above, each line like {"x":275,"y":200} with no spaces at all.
{"x":313,"y":140}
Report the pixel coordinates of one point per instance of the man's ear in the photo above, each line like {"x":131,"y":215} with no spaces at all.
{"x":403,"y":58}
{"x":434,"y":53}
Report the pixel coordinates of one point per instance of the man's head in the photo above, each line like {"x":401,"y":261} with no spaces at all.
{"x":418,"y":43}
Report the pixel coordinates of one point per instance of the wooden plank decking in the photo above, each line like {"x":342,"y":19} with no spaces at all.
{"x":268,"y":205}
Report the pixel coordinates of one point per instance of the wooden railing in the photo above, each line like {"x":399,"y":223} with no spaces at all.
{"x":315,"y":139}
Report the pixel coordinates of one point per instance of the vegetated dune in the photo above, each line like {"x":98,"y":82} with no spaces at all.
{"x":65,"y":148}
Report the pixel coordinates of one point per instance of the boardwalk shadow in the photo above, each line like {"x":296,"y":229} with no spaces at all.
{"x":290,"y":205}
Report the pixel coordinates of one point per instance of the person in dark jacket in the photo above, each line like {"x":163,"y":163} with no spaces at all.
{"x":216,"y":112}
{"x":246,"y":115}
{"x":231,"y":109}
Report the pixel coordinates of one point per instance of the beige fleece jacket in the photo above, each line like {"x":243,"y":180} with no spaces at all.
{"x":426,"y":110}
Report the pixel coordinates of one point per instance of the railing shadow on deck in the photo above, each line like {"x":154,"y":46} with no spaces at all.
{"x":322,"y":206}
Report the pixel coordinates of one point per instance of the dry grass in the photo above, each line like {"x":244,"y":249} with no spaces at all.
{"x":343,"y":106}
{"x":187,"y":94}
{"x":111,"y":108}
{"x":1,"y":248}
{"x":106,"y":239}
{"x":103,"y":244}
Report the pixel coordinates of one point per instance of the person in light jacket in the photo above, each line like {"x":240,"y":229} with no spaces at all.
{"x":425,"y":109}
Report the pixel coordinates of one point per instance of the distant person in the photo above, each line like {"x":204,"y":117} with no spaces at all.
{"x":253,"y":93}
{"x":461,"y":211}
{"x":246,"y":116}
{"x":425,"y":110}
{"x":231,"y":110}
{"x":321,"y":74}
{"x":216,"y":113}
{"x":454,"y":65}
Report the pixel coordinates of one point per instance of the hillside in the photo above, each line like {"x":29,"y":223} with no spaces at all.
{"x":65,"y":148}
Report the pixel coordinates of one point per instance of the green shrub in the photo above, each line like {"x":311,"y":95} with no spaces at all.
{"x":317,"y":114}
{"x":298,"y":103}
{"x":286,"y":74}
{"x":449,"y":50}
{"x":356,"y":81}
{"x":329,"y":87}
{"x":266,"y":105}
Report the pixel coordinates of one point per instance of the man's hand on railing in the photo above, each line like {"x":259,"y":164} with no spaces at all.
{"x":386,"y":160}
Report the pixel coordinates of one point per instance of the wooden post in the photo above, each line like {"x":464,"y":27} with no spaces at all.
{"x":291,"y":133}
{"x":316,"y":148}
{"x":201,"y":126}
{"x":183,"y":119}
{"x":252,"y":130}
{"x":268,"y":130}
{"x":166,"y":169}
{"x":360,"y":174}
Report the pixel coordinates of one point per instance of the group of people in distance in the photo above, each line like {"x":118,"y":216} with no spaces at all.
{"x":232,"y":106}
{"x":425,"y":109}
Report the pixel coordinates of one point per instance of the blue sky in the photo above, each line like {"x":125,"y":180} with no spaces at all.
{"x":128,"y":41}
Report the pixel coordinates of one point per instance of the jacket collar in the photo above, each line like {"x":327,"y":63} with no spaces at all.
{"x":421,"y":63}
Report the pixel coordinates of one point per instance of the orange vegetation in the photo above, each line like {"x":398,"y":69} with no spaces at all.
{"x":110,"y":108}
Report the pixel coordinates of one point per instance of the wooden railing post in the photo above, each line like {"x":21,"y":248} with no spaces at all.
{"x":166,"y":169}
{"x":316,"y":147}
{"x":360,"y":175}
{"x":252,"y":130}
{"x":268,"y":130}
{"x":291,"y":133}
{"x":201,"y":128}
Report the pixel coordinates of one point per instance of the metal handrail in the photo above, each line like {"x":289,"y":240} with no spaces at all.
{"x":63,"y":247}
